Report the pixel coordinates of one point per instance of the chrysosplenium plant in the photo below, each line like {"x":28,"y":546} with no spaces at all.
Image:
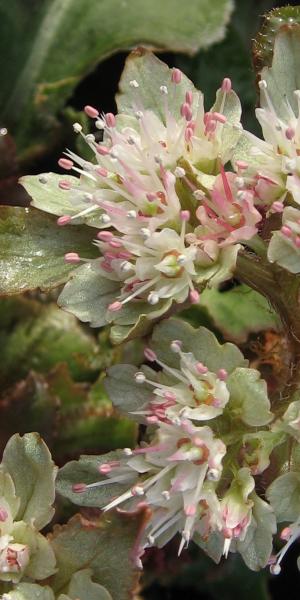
{"x":181,"y":198}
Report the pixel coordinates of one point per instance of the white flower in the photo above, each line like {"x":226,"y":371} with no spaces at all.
{"x":284,"y":247}
{"x":150,"y":266}
{"x":192,"y":391}
{"x":14,"y":557}
{"x":173,"y":476}
{"x":276,"y":159}
{"x":237,"y":508}
{"x":137,"y":164}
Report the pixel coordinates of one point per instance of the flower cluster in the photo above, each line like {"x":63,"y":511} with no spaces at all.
{"x":278,"y":155}
{"x":180,"y":473}
{"x":195,"y":392}
{"x":171,"y":218}
{"x":274,"y":163}
{"x":23,"y":550}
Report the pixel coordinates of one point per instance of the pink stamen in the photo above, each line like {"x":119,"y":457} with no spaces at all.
{"x":286,"y":231}
{"x":115,"y":306}
{"x":152,"y":420}
{"x":176,"y":76}
{"x":189,"y":98}
{"x":65,"y":163}
{"x":186,"y":111}
{"x":72,"y":258}
{"x":219,"y":117}
{"x":64,"y":185}
{"x":210,"y":127}
{"x":149,"y":354}
{"x":241,"y":165}
{"x":125,"y":255}
{"x":78,"y":488}
{"x":185,"y":215}
{"x":105,"y":236}
{"x":194,"y":296}
{"x":188,"y":134}
{"x":3,"y":515}
{"x":103,"y":150}
{"x":110,"y":119}
{"x":290,"y":133}
{"x":64,"y":220}
{"x":104,"y":469}
{"x":115,"y":244}
{"x":286,"y":534}
{"x":150,"y":449}
{"x":200,"y":368}
{"x":110,"y":256}
{"x":222,"y":374}
{"x":102,"y":172}
{"x":190,"y":511}
{"x":226,"y":185}
{"x":91,"y":112}
{"x":277,"y":206}
{"x":207,"y":118}
{"x":170,"y":396}
{"x":106,"y":267}
{"x":226,"y":85}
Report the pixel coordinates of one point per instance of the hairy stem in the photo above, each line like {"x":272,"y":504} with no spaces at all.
{"x":282,"y":289}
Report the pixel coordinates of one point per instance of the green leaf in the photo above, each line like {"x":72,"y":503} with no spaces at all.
{"x":258,"y":543}
{"x":232,"y":110}
{"x":125,"y":394}
{"x":284,"y":496}
{"x":88,"y":294}
{"x":39,"y":336}
{"x":105,"y":546}
{"x":70,"y":416}
{"x":47,"y":196}
{"x":37,"y":81}
{"x":150,"y":73}
{"x":283,"y":77}
{"x":32,"y":249}
{"x":201,"y":342}
{"x":28,"y":461}
{"x":86,"y":419}
{"x":137,"y":320}
{"x":8,"y":492}
{"x":248,"y":397}
{"x":82,"y":587}
{"x":213,"y":546}
{"x":86,"y":470}
{"x":30,"y":591}
{"x":239,"y":312}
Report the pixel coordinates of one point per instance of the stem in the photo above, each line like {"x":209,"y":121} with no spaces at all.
{"x":282,"y":289}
